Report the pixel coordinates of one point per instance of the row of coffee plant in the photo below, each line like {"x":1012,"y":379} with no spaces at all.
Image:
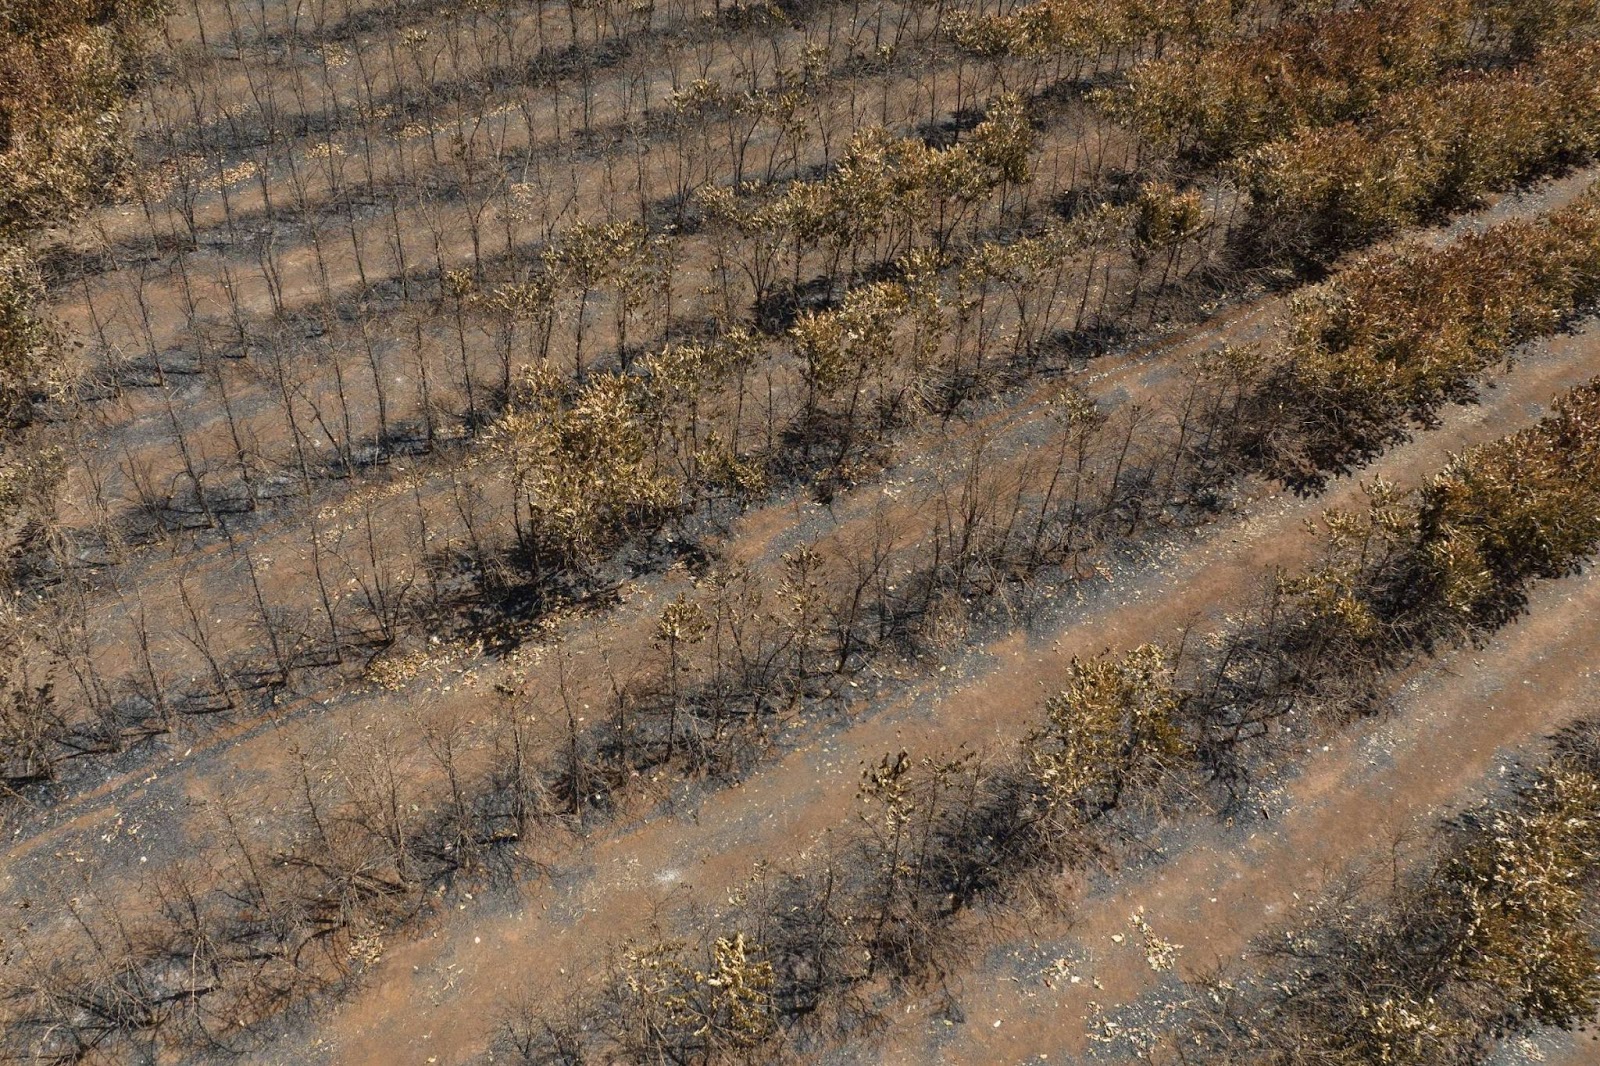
{"x":733,"y":664}
{"x":1423,"y":152}
{"x":1206,"y":105}
{"x":1393,"y":336}
{"x":1491,"y":937}
{"x":800,"y":951}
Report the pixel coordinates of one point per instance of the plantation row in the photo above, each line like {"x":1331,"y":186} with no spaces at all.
{"x":586,"y":261}
{"x":1161,"y":219}
{"x":1425,"y":151}
{"x":430,"y":68}
{"x":802,"y":951}
{"x":183,"y":191}
{"x":644,"y":427}
{"x":495,"y":156}
{"x":570,"y":418}
{"x":1395,"y":335}
{"x":586,"y":295}
{"x":731,"y":665}
{"x":489,"y":187}
{"x":865,"y":370}
{"x":1494,"y":936}
{"x":1207,"y":105}
{"x":414,"y":121}
{"x":615,"y":270}
{"x":658,"y":413}
{"x":63,"y":69}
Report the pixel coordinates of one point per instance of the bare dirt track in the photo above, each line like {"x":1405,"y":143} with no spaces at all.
{"x":472,"y":422}
{"x":444,"y":1005}
{"x":1359,"y":799}
{"x":431,"y":997}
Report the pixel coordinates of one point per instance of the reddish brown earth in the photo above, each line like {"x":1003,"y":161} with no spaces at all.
{"x":438,"y":996}
{"x":435,"y":993}
{"x":1458,"y":725}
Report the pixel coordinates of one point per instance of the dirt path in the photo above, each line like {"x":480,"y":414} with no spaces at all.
{"x":437,"y":997}
{"x":1458,"y":725}
{"x":783,"y":808}
{"x":1145,"y":375}
{"x":290,"y":329}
